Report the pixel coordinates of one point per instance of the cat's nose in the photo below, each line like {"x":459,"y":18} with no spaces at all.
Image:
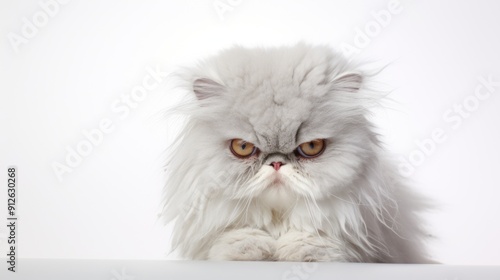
{"x":277,"y":165}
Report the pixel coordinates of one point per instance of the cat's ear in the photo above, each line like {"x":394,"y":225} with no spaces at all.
{"x":350,"y":82}
{"x":205,"y":88}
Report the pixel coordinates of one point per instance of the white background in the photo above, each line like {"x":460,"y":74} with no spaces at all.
{"x":89,"y":53}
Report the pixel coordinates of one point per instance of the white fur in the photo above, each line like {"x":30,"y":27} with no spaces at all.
{"x":348,"y":204}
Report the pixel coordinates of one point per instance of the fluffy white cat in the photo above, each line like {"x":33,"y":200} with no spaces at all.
{"x":278,"y":161}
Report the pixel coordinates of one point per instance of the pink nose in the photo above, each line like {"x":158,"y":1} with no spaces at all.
{"x":276,"y":165}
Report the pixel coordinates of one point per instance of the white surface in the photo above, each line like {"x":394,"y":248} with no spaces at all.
{"x":66,"y":78}
{"x":156,"y":269}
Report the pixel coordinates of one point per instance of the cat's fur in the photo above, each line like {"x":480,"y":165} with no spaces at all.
{"x":348,"y":204}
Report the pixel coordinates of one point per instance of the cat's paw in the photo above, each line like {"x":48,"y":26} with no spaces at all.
{"x":245,"y":244}
{"x":305,"y":247}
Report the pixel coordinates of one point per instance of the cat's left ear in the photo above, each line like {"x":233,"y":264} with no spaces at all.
{"x":350,"y":82}
{"x":205,"y":88}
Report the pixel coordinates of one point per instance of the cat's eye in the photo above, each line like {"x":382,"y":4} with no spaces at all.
{"x":242,"y":149}
{"x":311,"y":149}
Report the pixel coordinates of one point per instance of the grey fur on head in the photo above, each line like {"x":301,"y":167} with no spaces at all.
{"x":346,"y":204}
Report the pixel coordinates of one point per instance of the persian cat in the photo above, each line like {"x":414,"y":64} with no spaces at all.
{"x":278,"y":161}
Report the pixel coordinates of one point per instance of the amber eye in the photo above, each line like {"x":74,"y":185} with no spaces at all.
{"x":311,"y":149}
{"x":242,"y":149}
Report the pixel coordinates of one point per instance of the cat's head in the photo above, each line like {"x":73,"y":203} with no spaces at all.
{"x":275,"y":124}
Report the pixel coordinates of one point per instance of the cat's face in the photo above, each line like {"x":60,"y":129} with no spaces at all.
{"x":282,"y":129}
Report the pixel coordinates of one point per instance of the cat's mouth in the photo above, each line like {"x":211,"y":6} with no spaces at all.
{"x":277,"y":192}
{"x":277,"y":180}
{"x":281,"y":178}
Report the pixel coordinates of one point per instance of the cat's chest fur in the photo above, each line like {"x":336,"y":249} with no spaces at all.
{"x":279,"y":221}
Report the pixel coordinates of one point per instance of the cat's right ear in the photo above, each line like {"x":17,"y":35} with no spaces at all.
{"x":205,"y":88}
{"x":349,"y":82}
